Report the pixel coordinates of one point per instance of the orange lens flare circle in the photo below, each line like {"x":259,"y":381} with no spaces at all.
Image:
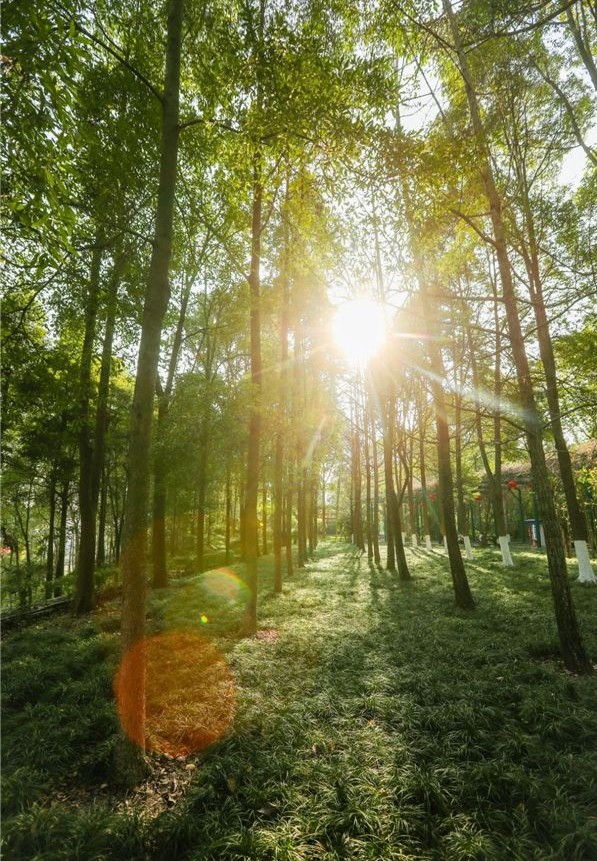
{"x":189,"y":693}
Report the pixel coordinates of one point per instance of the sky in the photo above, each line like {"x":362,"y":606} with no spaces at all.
{"x":575,"y":161}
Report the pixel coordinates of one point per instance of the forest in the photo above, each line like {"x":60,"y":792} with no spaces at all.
{"x":299,"y":429}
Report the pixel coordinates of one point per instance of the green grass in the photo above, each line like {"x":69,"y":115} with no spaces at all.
{"x":381,"y":723}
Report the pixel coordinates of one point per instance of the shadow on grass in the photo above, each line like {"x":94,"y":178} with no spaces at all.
{"x":380,"y":721}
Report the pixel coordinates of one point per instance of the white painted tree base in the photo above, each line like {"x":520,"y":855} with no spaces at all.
{"x":507,"y":560}
{"x":428,"y":542}
{"x":445,"y":544}
{"x":468,"y":548}
{"x":585,"y":570}
{"x":404,"y":537}
{"x":414,"y":540}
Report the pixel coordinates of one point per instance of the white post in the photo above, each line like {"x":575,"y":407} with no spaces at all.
{"x":428,"y":542}
{"x":468,"y":547}
{"x":585,"y":571}
{"x":414,"y":540}
{"x":507,"y":561}
{"x":445,"y":544}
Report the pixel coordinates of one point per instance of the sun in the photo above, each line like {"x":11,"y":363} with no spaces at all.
{"x":359,"y":330}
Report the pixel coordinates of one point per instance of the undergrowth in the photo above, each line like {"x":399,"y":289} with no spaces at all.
{"x":379,"y":723}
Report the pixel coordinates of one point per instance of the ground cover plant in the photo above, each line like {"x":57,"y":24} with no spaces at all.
{"x":373,"y":720}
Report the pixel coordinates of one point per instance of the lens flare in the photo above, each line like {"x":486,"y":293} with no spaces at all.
{"x":189,"y":692}
{"x":224,"y":584}
{"x":359,"y":330}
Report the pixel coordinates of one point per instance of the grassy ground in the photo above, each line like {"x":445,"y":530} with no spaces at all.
{"x":373,"y":721}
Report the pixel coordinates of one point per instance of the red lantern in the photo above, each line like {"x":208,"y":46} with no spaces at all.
{"x":512,"y":485}
{"x":477,"y":497}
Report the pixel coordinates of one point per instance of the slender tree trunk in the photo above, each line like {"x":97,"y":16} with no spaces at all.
{"x":578,"y":521}
{"x":100,"y":555}
{"x":573,"y":650}
{"x":391,"y":500}
{"x":583,"y":46}
{"x":264,"y":516}
{"x":202,"y":484}
{"x":301,"y":516}
{"x":51,"y":533}
{"x":375,"y":519}
{"x":338,"y":494}
{"x":368,"y":501}
{"x":101,"y":416}
{"x":288,"y":536}
{"x":324,"y":516}
{"x":462,"y":592}
{"x":158,"y":543}
{"x":357,"y":480}
{"x":462,"y":515}
{"x":61,"y":554}
{"x":412,"y":518}
{"x":83,"y":598}
{"x":250,"y":503}
{"x":228,"y":526}
{"x":314,"y":510}
{"x":423,"y":474}
{"x":134,"y":551}
{"x":397,"y":501}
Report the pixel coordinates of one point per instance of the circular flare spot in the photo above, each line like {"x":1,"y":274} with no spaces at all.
{"x":224,"y":584}
{"x":189,"y":693}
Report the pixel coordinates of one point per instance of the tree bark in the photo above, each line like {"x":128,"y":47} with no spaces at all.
{"x":83,"y":598}
{"x":134,"y":550}
{"x":251,"y":493}
{"x":158,"y":542}
{"x":61,"y":554}
{"x":51,"y":533}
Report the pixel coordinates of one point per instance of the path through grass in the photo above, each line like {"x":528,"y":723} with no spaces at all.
{"x":373,"y":721}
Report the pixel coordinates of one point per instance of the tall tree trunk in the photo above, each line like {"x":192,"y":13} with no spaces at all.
{"x":134,"y":551}
{"x":228,"y":525}
{"x":324,"y":516}
{"x":391,"y":499}
{"x":462,"y":593}
{"x":375,"y":518}
{"x":100,"y":553}
{"x":264,"y":516}
{"x":422,"y":422}
{"x":397,"y":500}
{"x":51,"y":532}
{"x":571,"y":644}
{"x":61,"y":553}
{"x":583,"y":46}
{"x":101,"y":415}
{"x":158,"y":532}
{"x":201,"y":497}
{"x":357,"y":525}
{"x":338,"y":496}
{"x":578,"y":520}
{"x":288,"y":520}
{"x":83,"y":598}
{"x":251,"y":493}
{"x":368,"y":500}
{"x":462,"y":514}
